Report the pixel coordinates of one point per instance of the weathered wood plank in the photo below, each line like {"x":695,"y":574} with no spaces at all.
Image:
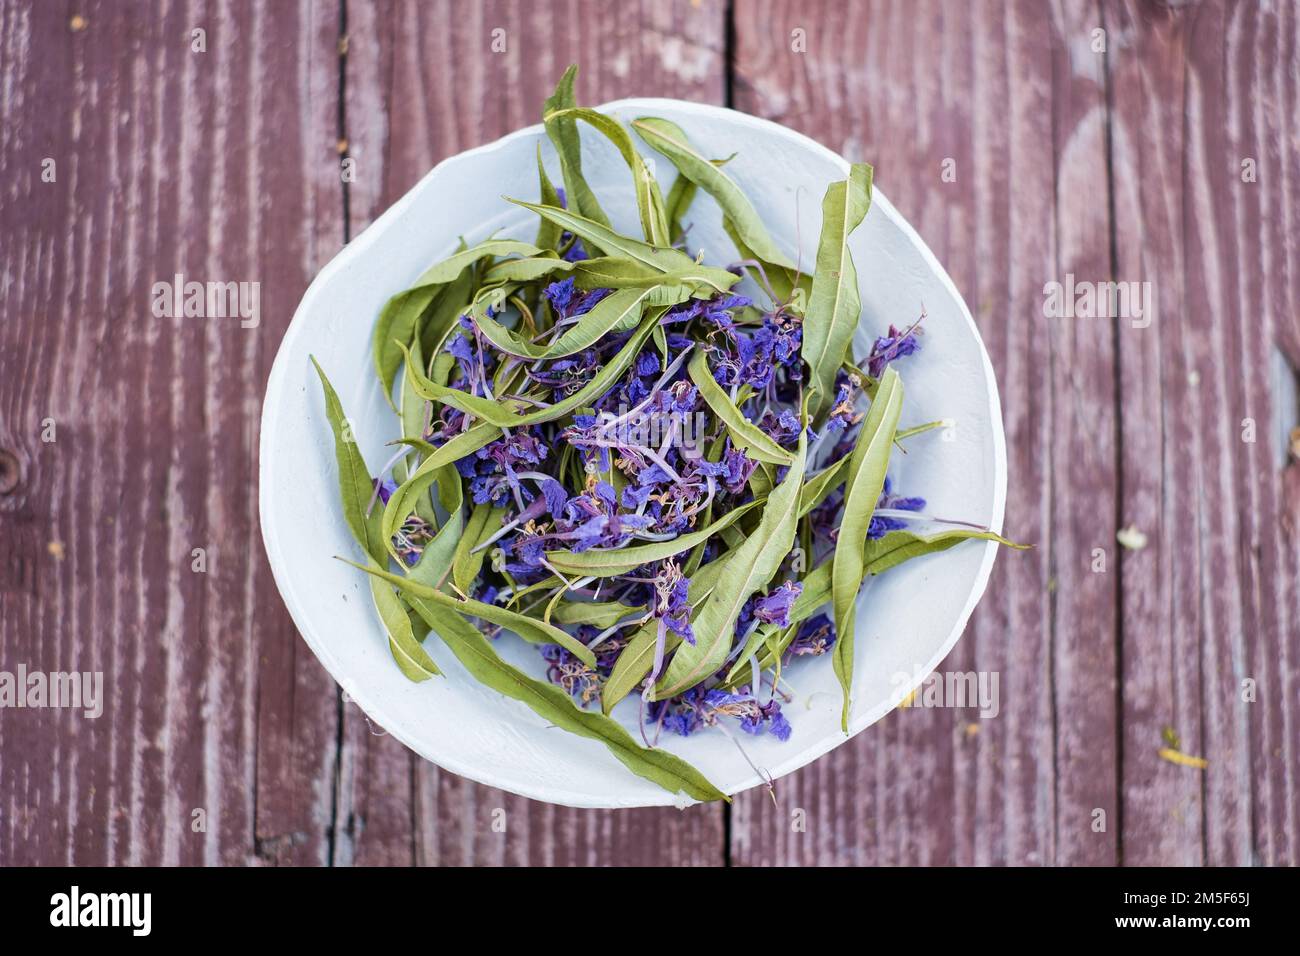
{"x":424,"y":83}
{"x":165,"y":161}
{"x":1212,"y":601}
{"x":989,"y":90}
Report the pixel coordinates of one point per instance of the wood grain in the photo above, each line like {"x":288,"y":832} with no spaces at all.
{"x":166,"y":162}
{"x":1212,"y":601}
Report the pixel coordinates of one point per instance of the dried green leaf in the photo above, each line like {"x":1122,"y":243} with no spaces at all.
{"x":636,"y":659}
{"x":530,"y":629}
{"x":548,"y":233}
{"x":406,"y":498}
{"x":863,"y":483}
{"x":834,"y":304}
{"x":895,"y":547}
{"x":601,"y":614}
{"x":622,"y":272}
{"x":548,"y":701}
{"x":355,"y":489}
{"x":563,"y":132}
{"x":505,"y":414}
{"x":397,"y":321}
{"x":662,"y":258}
{"x":747,"y":569}
{"x":744,"y":433}
{"x":484,"y":521}
{"x":607,"y":562}
{"x":615,"y":313}
{"x":649,"y":200}
{"x":670,"y":140}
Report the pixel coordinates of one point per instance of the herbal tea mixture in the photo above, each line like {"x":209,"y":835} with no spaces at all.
{"x":674,"y":490}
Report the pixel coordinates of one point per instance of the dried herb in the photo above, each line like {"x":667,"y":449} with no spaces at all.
{"x":609,"y":450}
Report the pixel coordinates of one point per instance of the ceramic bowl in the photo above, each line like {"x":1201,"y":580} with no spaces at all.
{"x":908,"y":619}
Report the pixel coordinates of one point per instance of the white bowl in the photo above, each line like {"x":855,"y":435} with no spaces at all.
{"x":908,"y":619}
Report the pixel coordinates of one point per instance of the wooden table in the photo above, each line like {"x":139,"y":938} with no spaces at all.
{"x":1026,"y":142}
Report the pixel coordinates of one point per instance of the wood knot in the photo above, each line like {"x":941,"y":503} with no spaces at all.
{"x":10,"y":472}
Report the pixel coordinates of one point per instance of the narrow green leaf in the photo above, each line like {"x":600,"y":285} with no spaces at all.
{"x":816,"y":592}
{"x":526,"y":270}
{"x":662,"y":258}
{"x":548,"y":233}
{"x":607,"y":562}
{"x":670,"y":140}
{"x":677,"y":205}
{"x":563,"y":132}
{"x":355,"y":489}
{"x":484,"y":520}
{"x":454,"y":300}
{"x":530,"y":629}
{"x":505,"y":414}
{"x":834,"y":305}
{"x":649,"y":200}
{"x":895,"y":547}
{"x":407,"y":496}
{"x":397,"y":320}
{"x":614,"y":313}
{"x":355,"y":484}
{"x":601,"y":614}
{"x":788,"y":284}
{"x":818,"y":488}
{"x":548,"y":701}
{"x":435,"y":559}
{"x":748,"y":568}
{"x":636,"y":659}
{"x":412,"y":660}
{"x":863,"y":483}
{"x":744,"y":433}
{"x":622,"y":272}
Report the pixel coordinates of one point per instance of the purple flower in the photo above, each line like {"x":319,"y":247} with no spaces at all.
{"x":777,"y":726}
{"x":682,"y":715}
{"x":893,"y":346}
{"x":734,"y":469}
{"x":556,"y":497}
{"x":560,"y":295}
{"x":671,"y":603}
{"x":569,"y":301}
{"x":491,"y":471}
{"x":717,"y":310}
{"x":755,"y":718}
{"x":882,"y":524}
{"x":844,"y":413}
{"x":647,"y":363}
{"x":815,"y":636}
{"x":783,"y":427}
{"x":775,"y":608}
{"x":459,"y":346}
{"x":386,"y":488}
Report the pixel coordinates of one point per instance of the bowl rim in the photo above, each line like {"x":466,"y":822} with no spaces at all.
{"x":372,"y":703}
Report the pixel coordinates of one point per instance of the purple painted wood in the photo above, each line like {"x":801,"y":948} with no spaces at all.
{"x":1206,"y":180}
{"x":164,"y":162}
